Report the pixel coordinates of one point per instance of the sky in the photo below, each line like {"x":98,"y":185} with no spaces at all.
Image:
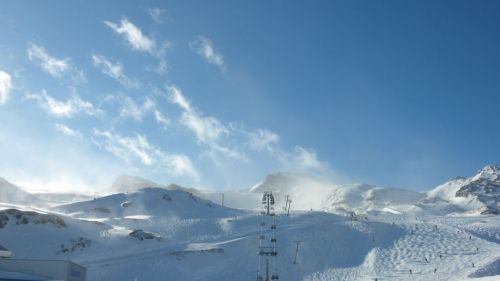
{"x":218,"y":94}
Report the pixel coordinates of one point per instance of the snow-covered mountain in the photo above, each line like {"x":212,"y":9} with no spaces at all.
{"x":312,"y":193}
{"x":146,"y":202}
{"x":155,"y":234}
{"x":479,"y":193}
{"x":127,"y":183}
{"x":152,"y":232}
{"x":12,"y":194}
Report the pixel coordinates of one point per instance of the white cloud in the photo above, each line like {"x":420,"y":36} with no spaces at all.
{"x":113,"y":70}
{"x":127,"y":148}
{"x":55,"y":67}
{"x":205,"y":48}
{"x":132,"y":109}
{"x":129,"y":108}
{"x":79,"y":77}
{"x":181,"y":165}
{"x":66,"y":108}
{"x":67,"y":130}
{"x":140,"y":42}
{"x":131,"y":149}
{"x":263,"y":139}
{"x":161,"y":119}
{"x":156,"y":14}
{"x":176,"y":97}
{"x":207,"y":130}
{"x":133,"y":35}
{"x":306,"y":159}
{"x":5,"y":86}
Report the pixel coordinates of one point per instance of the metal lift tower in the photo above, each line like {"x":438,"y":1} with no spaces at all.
{"x":267,"y":246}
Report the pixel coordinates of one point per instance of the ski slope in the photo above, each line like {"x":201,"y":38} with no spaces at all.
{"x":355,"y":232}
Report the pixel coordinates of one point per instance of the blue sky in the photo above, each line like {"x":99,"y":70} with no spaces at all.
{"x":216,"y":94}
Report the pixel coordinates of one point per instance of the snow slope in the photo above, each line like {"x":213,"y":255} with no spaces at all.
{"x":332,"y":247}
{"x":357,"y":232}
{"x":10,"y":193}
{"x":310,"y":193}
{"x":477,"y":194}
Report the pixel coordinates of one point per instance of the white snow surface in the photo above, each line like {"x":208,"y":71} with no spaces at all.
{"x":353,"y":232}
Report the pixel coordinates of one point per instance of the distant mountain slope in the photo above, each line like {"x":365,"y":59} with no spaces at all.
{"x":479,"y":193}
{"x":126,"y":183}
{"x":12,"y":194}
{"x":312,"y":193}
{"x":150,"y":201}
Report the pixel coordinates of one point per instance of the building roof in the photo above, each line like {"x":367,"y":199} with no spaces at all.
{"x":16,"y":276}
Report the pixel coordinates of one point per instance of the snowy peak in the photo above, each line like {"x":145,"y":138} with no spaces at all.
{"x":149,"y":201}
{"x":485,"y":186}
{"x":491,"y":172}
{"x":320,"y":194}
{"x":448,"y":190}
{"x":277,"y":182}
{"x":126,"y":183}
{"x":479,"y":193}
{"x":11,"y":193}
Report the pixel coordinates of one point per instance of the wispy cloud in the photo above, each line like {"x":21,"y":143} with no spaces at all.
{"x":161,"y":119}
{"x":113,"y":70}
{"x":297,"y":159}
{"x":67,"y":130}
{"x":134,"y":110}
{"x":140,"y":42}
{"x":59,"y":108}
{"x":223,"y":142}
{"x":137,"y":148}
{"x":54,"y":66}
{"x":306,"y":159}
{"x":204,"y":47}
{"x":138,"y":110}
{"x":263,"y":139}
{"x":5,"y":86}
{"x":207,"y":130}
{"x":134,"y":36}
{"x":156,"y":14}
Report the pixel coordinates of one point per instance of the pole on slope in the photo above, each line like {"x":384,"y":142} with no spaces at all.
{"x":222,"y":203}
{"x":289,"y":204}
{"x":296,"y":251}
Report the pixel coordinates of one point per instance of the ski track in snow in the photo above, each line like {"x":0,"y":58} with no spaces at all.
{"x":388,"y":238}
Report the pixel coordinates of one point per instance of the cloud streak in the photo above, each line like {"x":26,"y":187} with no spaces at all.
{"x":67,"y":130}
{"x":137,"y":148}
{"x":207,"y":131}
{"x":113,"y":70}
{"x":137,"y":41}
{"x":204,"y":47}
{"x":68,"y":108}
{"x":263,"y":140}
{"x":132,"y":34}
{"x":129,"y":108}
{"x":156,"y":14}
{"x":5,"y":86}
{"x":54,"y":66}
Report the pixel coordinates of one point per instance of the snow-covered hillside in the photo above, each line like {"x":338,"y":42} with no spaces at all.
{"x":309,"y":193}
{"x":354,"y":232}
{"x":477,"y":194}
{"x":127,"y":183}
{"x":149,"y":201}
{"x":13,"y":194}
